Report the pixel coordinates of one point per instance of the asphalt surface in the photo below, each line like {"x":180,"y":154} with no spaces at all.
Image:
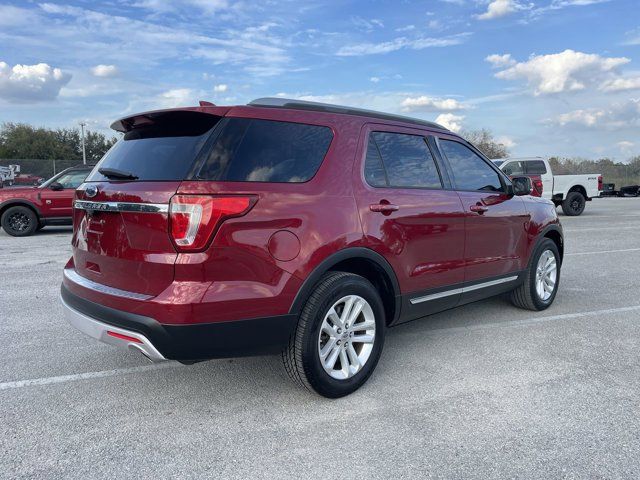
{"x":483,"y":391}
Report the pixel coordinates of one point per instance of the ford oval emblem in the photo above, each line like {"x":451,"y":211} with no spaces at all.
{"x":91,"y":191}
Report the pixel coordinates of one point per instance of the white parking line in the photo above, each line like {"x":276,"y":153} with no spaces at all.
{"x":598,"y":229}
{"x":85,"y":376}
{"x":533,"y":321}
{"x":36,"y":382}
{"x":603,"y":251}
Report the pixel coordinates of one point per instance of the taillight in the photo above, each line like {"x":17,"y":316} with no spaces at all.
{"x":600,"y":182}
{"x":194,"y":218}
{"x":538,"y":186}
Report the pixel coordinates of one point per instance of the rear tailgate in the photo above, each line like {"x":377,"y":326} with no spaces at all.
{"x":115,"y":243}
{"x":121,"y":224}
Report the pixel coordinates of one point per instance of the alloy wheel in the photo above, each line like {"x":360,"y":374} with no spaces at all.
{"x":346,"y":337}
{"x":546,"y":275}
{"x":19,"y":222}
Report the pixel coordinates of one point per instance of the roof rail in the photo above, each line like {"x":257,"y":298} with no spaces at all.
{"x":327,"y":107}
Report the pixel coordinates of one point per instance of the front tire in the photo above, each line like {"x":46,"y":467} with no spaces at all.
{"x":541,"y":282}
{"x":19,"y":221}
{"x":574,"y":204}
{"x":339,"y":337}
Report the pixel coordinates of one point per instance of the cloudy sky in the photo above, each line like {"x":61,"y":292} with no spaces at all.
{"x":548,"y":77}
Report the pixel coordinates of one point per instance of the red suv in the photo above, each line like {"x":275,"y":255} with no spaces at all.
{"x":25,"y":210}
{"x":296,"y":227}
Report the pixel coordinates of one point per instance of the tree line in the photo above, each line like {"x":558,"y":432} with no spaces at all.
{"x":40,"y":149}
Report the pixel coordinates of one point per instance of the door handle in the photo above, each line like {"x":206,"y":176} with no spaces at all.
{"x":479,"y":209}
{"x":385,"y":208}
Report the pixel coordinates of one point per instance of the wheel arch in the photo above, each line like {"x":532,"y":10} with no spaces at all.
{"x":19,"y":203}
{"x":554,"y":233}
{"x":580,"y":189}
{"x":361,"y":261}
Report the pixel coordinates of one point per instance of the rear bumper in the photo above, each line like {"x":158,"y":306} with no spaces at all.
{"x":190,"y":342}
{"x":111,"y":334}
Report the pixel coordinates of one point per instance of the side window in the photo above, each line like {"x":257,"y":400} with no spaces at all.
{"x":536,"y":167}
{"x":253,"y":150}
{"x":373,"y":169}
{"x":470,"y":171}
{"x":405,"y":159}
{"x":513,"y":168}
{"x":72,"y":179}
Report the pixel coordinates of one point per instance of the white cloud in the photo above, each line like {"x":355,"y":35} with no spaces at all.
{"x":621,"y":83}
{"x":451,"y":121}
{"x":257,"y":49}
{"x":400,"y":43}
{"x":367,"y":25}
{"x":500,"y":61}
{"x":176,"y":97}
{"x":374,"y":79}
{"x":633,"y":37}
{"x":506,"y":141}
{"x":222,"y":87}
{"x":499,"y":8}
{"x":31,"y":83}
{"x":587,"y":118}
{"x":564,"y":71}
{"x":618,"y":115}
{"x":104,"y":71}
{"x":625,"y":146}
{"x":425,"y":103}
{"x":560,"y":4}
{"x":163,"y":6}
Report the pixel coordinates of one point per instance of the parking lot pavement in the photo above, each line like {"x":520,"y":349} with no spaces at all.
{"x":483,"y":391}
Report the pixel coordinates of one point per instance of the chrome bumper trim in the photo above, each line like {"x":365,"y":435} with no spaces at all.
{"x":98,"y":330}
{"x":456,"y":291}
{"x":121,"y":207}
{"x":74,"y":277}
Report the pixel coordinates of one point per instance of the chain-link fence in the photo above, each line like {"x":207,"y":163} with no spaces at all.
{"x":40,"y":167}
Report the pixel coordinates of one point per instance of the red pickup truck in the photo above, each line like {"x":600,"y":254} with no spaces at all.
{"x":25,"y":210}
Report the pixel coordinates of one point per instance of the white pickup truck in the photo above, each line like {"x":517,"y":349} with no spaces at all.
{"x":570,"y":191}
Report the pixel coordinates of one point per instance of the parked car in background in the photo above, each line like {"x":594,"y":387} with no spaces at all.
{"x":24,"y":210}
{"x":569,"y":191}
{"x":296,"y":227}
{"x":27,"y":179}
{"x":629,"y":191}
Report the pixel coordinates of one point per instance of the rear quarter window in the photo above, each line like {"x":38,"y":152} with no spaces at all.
{"x":254,"y":150}
{"x":536,"y":167}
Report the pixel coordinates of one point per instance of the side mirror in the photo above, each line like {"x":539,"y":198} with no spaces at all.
{"x":55,"y":186}
{"x":522,"y":186}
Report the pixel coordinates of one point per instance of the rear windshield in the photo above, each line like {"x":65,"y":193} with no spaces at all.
{"x":164,"y":149}
{"x":253,"y":150}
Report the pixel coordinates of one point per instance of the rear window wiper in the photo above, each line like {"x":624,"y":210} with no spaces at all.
{"x":119,"y":174}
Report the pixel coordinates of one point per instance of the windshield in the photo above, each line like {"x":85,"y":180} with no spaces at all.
{"x":68,"y":179}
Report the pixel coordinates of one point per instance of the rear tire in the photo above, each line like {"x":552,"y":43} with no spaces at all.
{"x":19,"y":221}
{"x":343,"y":320}
{"x":528,"y":295}
{"x":574,"y":204}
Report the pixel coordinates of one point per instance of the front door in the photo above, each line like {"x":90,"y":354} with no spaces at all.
{"x":496,"y":222}
{"x":409,"y":218}
{"x":59,"y":203}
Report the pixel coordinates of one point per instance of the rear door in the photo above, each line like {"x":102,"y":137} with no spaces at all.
{"x":121,"y":235}
{"x":496,"y":222}
{"x":409,"y":216}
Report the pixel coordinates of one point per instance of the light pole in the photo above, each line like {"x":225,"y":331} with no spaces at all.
{"x":84,"y":153}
